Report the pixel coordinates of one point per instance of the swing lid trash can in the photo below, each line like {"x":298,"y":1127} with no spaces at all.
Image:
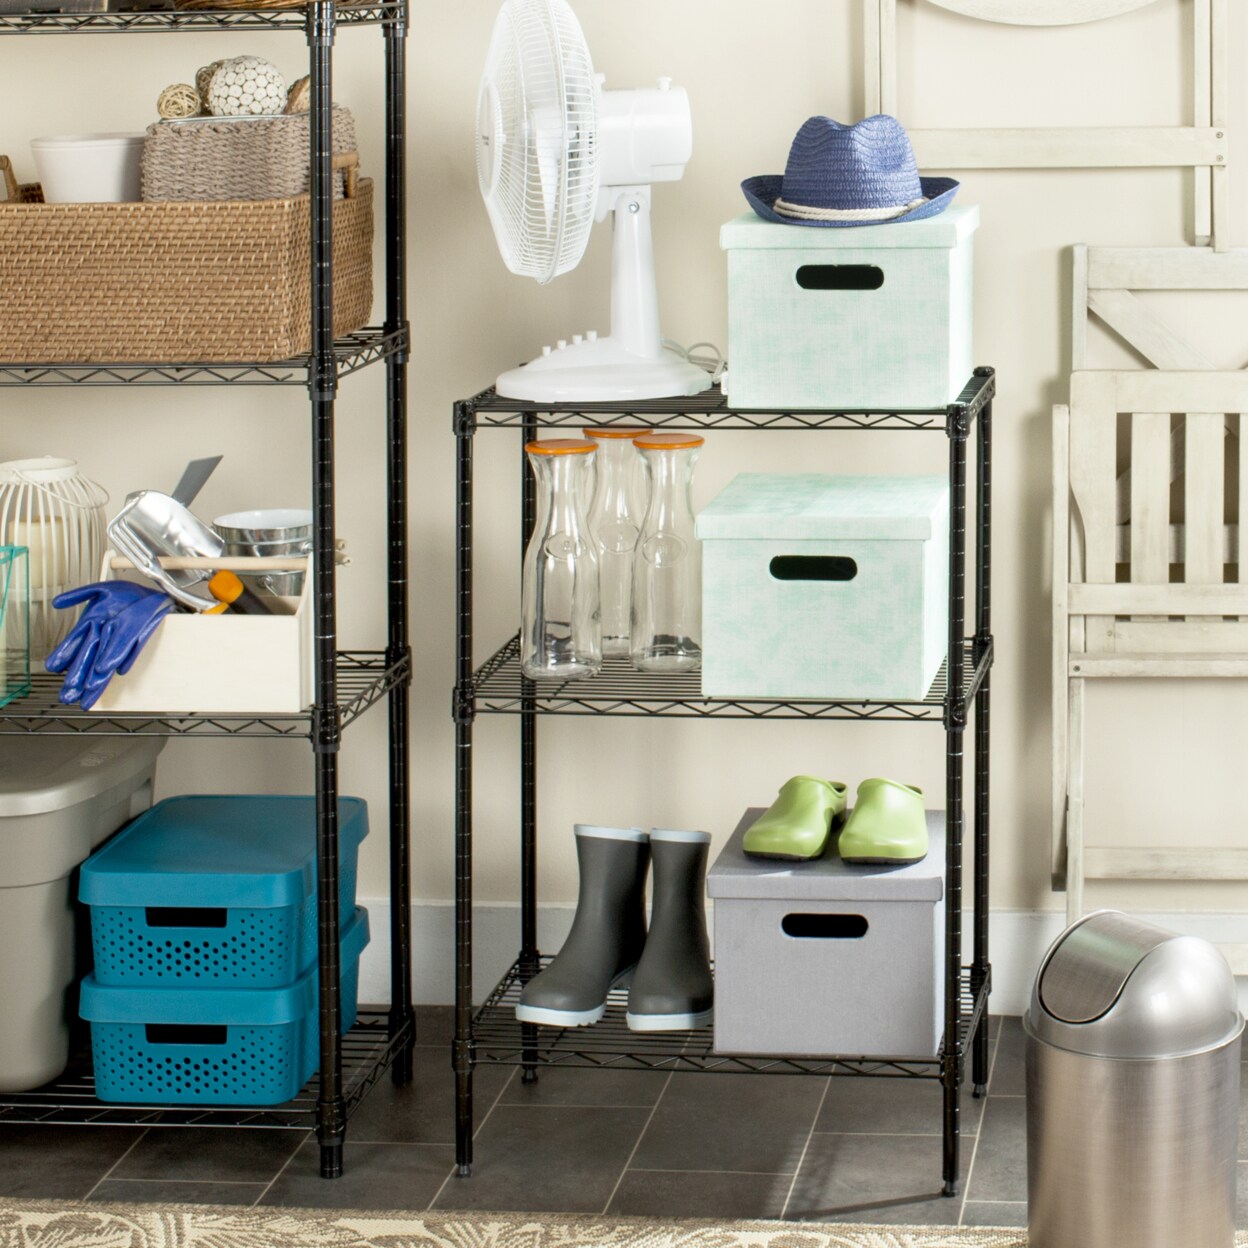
{"x":1114,"y":986}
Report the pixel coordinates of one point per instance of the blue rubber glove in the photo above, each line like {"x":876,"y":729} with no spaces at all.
{"x":104,"y":601}
{"x":121,"y":640}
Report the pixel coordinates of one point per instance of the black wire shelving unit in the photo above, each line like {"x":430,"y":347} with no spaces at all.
{"x":491,"y":1033}
{"x":347,"y":683}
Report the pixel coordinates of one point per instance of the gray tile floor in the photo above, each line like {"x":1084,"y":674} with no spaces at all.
{"x":586,"y":1141}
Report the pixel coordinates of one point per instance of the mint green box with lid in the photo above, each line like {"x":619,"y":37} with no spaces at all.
{"x":818,"y":586}
{"x":875,"y":316}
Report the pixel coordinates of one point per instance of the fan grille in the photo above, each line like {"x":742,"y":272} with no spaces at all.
{"x":537,"y":146}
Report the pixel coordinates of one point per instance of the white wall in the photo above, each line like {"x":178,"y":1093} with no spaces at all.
{"x":754,"y":73}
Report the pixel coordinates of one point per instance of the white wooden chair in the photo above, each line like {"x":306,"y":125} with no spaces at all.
{"x":1117,"y":611}
{"x":1201,"y":146}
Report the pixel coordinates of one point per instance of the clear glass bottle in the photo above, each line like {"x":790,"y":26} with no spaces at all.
{"x":666,"y":623}
{"x":615,"y":521}
{"x":561,"y":629}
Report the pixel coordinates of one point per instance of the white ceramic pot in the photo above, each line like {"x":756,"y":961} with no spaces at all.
{"x":89,"y":168}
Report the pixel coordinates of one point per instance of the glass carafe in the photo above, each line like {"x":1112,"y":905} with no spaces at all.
{"x":561,"y":629}
{"x":666,"y":623}
{"x":615,"y":521}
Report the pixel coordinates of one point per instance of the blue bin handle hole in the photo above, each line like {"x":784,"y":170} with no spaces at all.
{"x":186,"y":916}
{"x":185,"y":1033}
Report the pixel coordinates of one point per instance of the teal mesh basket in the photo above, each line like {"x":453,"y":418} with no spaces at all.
{"x":216,"y":891}
{"x":214,"y":1046}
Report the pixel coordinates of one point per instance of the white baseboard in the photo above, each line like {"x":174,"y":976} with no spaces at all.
{"x":1017,"y":940}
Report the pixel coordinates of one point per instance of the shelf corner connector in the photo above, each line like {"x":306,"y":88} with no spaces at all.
{"x":326,"y":729}
{"x":463,"y":708}
{"x":464,"y":418}
{"x":958,"y":421}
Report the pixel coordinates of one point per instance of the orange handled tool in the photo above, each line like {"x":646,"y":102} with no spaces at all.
{"x":225,"y":586}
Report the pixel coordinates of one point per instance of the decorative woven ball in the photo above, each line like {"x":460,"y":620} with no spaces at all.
{"x":299,"y":99}
{"x":203,"y":77}
{"x":179,"y":100}
{"x":246,"y":86}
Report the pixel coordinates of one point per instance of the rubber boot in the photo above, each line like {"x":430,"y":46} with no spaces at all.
{"x":672,"y":989}
{"x":608,"y":932}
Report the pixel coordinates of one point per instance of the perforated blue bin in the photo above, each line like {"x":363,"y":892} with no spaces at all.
{"x":214,"y":1046}
{"x":215,"y":891}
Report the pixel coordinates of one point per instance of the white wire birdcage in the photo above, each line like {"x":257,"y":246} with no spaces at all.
{"x":49,"y":507}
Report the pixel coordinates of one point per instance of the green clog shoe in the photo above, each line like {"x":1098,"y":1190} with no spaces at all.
{"x":887,"y":825}
{"x":799,"y":823}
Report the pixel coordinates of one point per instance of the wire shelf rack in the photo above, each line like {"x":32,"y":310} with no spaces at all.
{"x":364,"y":677}
{"x":164,"y":21}
{"x":711,"y":410}
{"x":368,"y":1050}
{"x":609,"y":1044}
{"x":500,"y":689}
{"x":352,"y":352}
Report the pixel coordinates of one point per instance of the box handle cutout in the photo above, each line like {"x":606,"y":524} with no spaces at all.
{"x":185,"y":1033}
{"x":840,"y":277}
{"x":813,"y":568}
{"x":185,"y":916}
{"x":824,"y":926}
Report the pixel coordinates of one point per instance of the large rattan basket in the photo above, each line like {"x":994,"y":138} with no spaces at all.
{"x":172,"y":282}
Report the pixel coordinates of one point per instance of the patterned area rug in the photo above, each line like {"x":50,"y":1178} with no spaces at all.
{"x":61,"y":1224}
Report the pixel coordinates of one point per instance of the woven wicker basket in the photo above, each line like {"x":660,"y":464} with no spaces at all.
{"x":228,"y":158}
{"x":174,"y":282}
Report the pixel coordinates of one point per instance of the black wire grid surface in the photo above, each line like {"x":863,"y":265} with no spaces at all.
{"x":610,"y":1045}
{"x":368,"y":1049}
{"x":346,"y":683}
{"x":491,"y":1034}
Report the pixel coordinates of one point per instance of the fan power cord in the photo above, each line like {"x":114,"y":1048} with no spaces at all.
{"x":705,"y":355}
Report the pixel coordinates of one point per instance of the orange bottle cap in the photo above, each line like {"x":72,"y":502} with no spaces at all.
{"x":561,"y":446}
{"x":668,"y":441}
{"x":617,"y":431}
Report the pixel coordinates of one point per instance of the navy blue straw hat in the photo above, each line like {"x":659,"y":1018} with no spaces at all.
{"x":849,"y":175}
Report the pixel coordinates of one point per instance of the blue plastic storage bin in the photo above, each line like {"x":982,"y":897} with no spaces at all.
{"x":215,"y":891}
{"x":214,"y":1046}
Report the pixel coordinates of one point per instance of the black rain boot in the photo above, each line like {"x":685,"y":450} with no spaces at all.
{"x":672,"y":988}
{"x":608,"y":932}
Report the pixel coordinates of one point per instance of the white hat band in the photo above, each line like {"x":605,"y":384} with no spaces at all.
{"x":802,"y":213}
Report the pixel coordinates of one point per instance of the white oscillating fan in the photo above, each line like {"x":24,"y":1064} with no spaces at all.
{"x":555,"y":152}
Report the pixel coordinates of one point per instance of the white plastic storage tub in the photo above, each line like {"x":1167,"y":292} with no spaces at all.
{"x":60,"y":797}
{"x":824,"y":587}
{"x":875,"y":316}
{"x":826,"y":958}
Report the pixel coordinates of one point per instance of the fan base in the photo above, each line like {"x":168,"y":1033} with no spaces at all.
{"x":558,"y":378}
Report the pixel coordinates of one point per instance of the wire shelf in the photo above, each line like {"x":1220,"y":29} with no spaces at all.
{"x":368,"y":1050}
{"x":500,"y":689}
{"x":609,"y":1044}
{"x":364,"y":677}
{"x":165,"y":21}
{"x":710,"y":410}
{"x":352,"y":352}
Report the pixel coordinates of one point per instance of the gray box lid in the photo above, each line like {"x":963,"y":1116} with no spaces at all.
{"x":946,"y":229}
{"x":42,"y":774}
{"x":811,"y":506}
{"x":828,"y":878}
{"x":1114,"y":986}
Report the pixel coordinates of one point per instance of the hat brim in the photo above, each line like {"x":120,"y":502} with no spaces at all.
{"x":763,"y":191}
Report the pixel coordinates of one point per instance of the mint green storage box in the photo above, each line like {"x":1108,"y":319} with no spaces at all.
{"x":819,"y":586}
{"x":874,"y":316}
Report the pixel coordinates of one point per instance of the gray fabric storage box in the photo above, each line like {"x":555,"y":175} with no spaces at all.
{"x":862,"y":973}
{"x":60,"y":797}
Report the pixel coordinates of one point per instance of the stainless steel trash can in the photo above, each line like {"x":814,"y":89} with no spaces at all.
{"x":1133,"y":1048}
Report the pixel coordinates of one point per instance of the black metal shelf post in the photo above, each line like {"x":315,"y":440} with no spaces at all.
{"x":491,"y":1033}
{"x":346,"y":683}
